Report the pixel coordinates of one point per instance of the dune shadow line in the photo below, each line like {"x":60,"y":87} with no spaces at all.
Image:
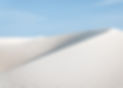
{"x":80,"y":37}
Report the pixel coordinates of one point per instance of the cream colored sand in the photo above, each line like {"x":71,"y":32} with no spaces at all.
{"x":17,"y":51}
{"x":92,"y":63}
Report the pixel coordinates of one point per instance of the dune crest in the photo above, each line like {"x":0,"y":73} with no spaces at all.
{"x":89,"y":60}
{"x":17,"y":51}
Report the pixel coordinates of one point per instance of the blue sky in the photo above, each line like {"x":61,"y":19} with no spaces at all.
{"x":53,"y":17}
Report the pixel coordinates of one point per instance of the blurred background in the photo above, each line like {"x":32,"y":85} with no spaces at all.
{"x":53,"y":17}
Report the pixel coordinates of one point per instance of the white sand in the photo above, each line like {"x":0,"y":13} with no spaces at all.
{"x":92,"y":63}
{"x":17,"y":51}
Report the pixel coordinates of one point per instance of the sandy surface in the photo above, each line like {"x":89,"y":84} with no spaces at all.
{"x":96,"y":62}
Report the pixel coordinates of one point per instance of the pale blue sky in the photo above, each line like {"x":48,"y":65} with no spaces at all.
{"x":52,"y":17}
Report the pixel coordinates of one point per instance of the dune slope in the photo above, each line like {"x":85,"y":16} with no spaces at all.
{"x":17,"y":51}
{"x":94,"y":63}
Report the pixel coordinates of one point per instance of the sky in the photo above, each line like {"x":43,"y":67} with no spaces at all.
{"x":54,"y":17}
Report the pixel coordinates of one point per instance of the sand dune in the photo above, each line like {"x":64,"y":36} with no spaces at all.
{"x":17,"y":51}
{"x":77,"y":61}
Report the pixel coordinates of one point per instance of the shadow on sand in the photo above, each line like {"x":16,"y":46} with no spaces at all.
{"x":80,"y":37}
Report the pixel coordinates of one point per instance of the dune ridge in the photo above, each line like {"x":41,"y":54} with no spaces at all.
{"x":17,"y":51}
{"x":90,"y":63}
